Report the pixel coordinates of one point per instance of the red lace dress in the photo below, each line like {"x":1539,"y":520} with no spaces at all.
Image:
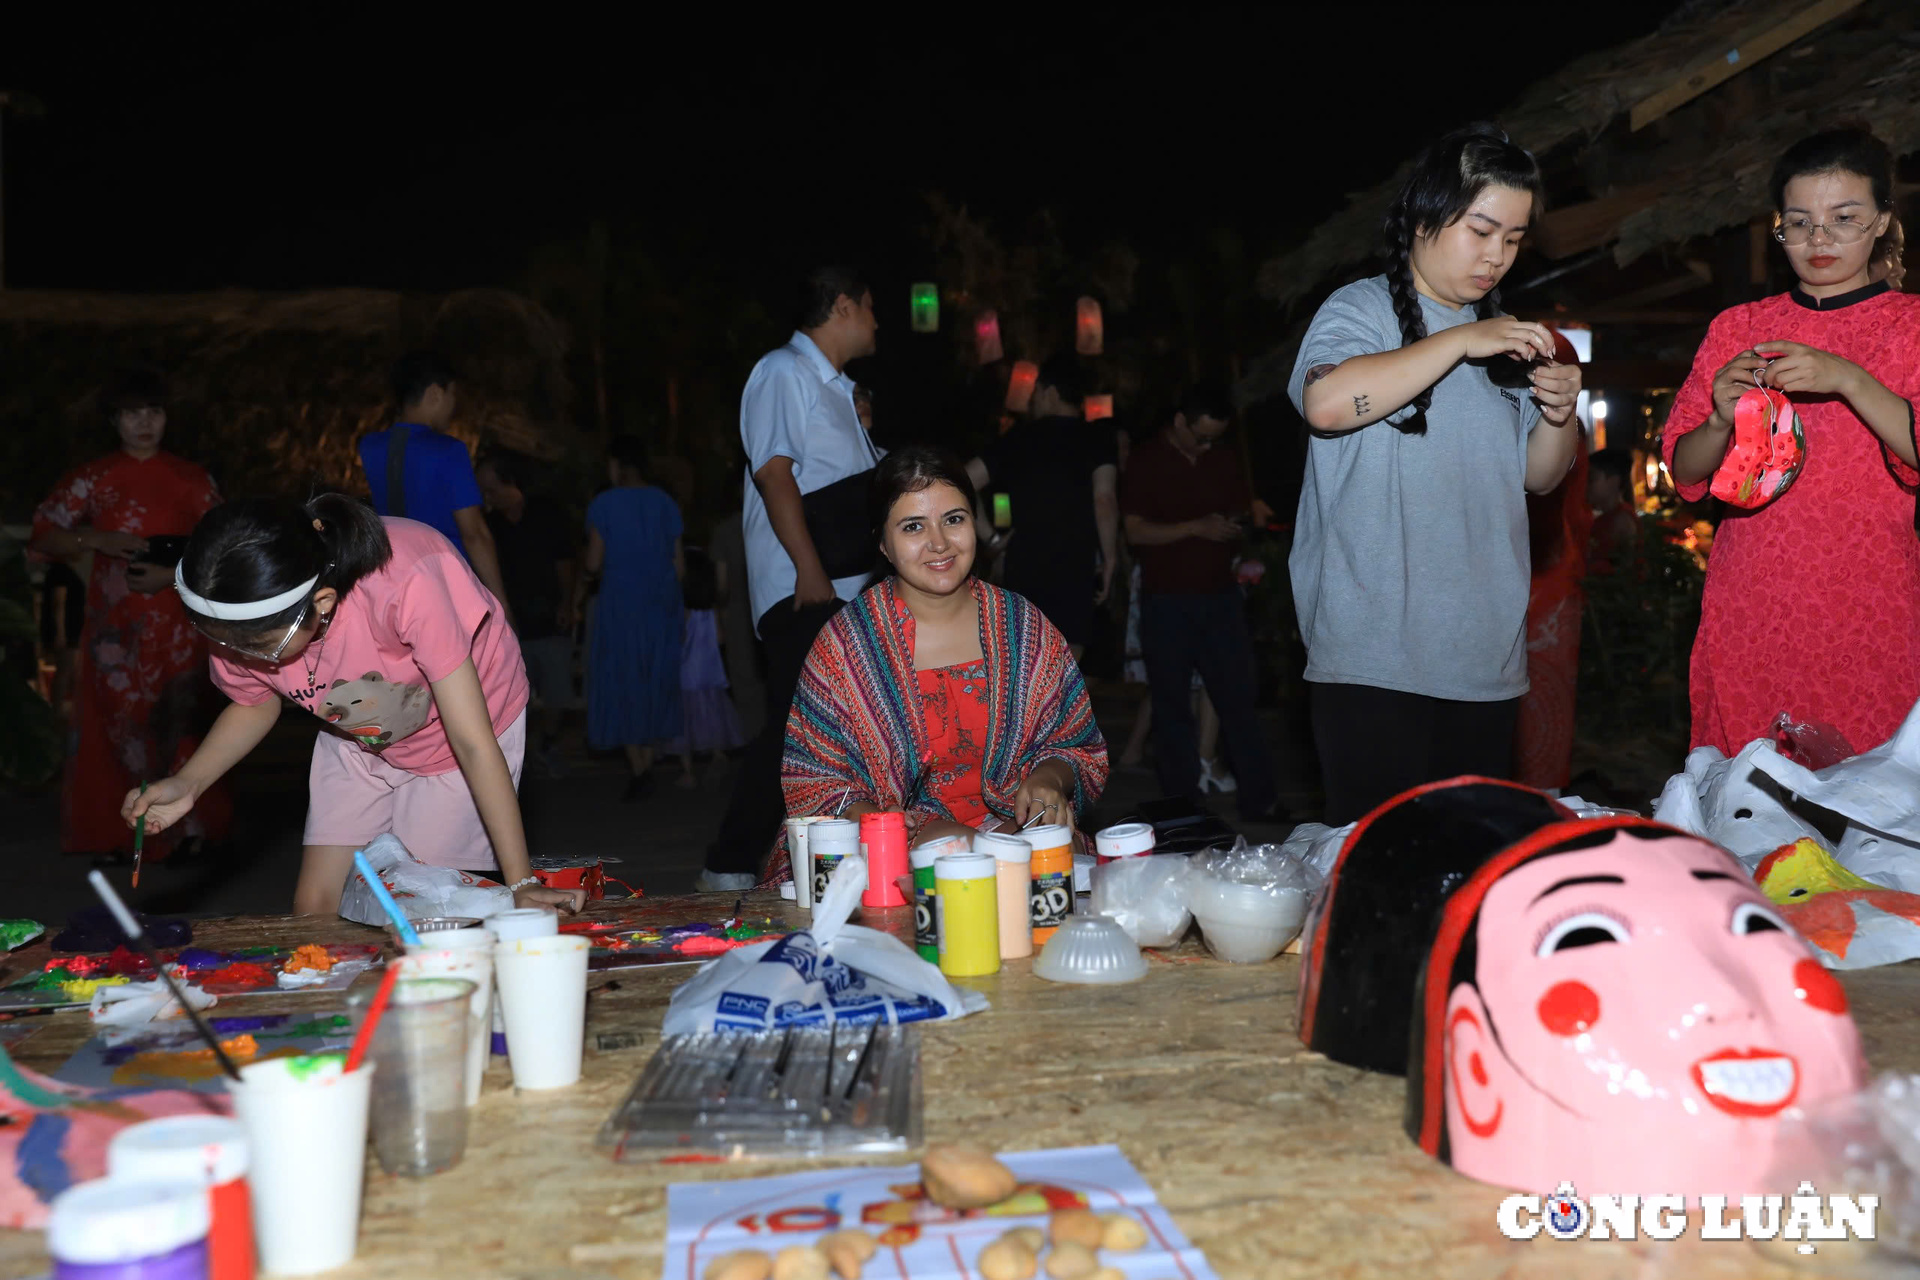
{"x":955,"y":702}
{"x":142,"y":697}
{"x":1812,"y":602}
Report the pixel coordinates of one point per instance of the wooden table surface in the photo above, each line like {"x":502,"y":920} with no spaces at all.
{"x":1273,"y":1160}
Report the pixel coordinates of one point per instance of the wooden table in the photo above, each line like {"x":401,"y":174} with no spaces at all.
{"x":1274,"y":1161}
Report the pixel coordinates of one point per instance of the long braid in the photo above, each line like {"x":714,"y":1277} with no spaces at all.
{"x":1406,"y":303}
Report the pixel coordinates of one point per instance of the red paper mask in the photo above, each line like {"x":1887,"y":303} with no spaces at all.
{"x":1767,"y":451}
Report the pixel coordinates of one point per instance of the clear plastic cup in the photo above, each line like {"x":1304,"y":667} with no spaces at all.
{"x":306,"y":1123}
{"x":542,"y":983}
{"x":475,"y":964}
{"x":1091,"y":949}
{"x":419,"y":1109}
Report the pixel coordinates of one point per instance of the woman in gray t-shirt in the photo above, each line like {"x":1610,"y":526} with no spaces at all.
{"x":1410,"y":549}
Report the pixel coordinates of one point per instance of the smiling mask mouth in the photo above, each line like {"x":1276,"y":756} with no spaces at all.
{"x":1753,"y":1082}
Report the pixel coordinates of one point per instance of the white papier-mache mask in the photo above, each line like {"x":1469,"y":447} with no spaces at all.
{"x":1724,"y":801}
{"x":1877,"y":792}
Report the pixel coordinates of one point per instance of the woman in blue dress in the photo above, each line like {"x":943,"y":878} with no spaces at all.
{"x":633,"y":652}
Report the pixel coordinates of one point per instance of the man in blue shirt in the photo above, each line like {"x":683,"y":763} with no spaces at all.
{"x":437,"y":485}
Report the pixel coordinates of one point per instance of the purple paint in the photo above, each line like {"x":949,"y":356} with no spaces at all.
{"x":188,"y":1262}
{"x":200,"y":958}
{"x":263,"y":1022}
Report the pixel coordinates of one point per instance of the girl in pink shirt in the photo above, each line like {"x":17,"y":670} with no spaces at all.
{"x":381,"y":629}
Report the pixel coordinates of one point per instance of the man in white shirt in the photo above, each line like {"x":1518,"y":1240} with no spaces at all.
{"x":803,"y":436}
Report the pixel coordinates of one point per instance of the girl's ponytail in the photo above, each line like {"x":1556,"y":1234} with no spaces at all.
{"x":355,"y":538}
{"x":1406,"y":302}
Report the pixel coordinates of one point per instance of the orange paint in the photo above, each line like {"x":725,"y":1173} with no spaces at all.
{"x":311,"y":956}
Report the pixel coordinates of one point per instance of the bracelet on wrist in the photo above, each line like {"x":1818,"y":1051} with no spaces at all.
{"x":527,"y":883}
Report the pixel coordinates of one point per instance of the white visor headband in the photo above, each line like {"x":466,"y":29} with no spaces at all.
{"x":225,"y":612}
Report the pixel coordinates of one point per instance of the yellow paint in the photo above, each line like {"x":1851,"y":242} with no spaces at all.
{"x":83,"y":988}
{"x":1795,"y":873}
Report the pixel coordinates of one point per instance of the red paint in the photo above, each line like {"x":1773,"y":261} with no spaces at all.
{"x":240,"y":973}
{"x":1478,"y":1068}
{"x":1479,"y":1129}
{"x":1569,"y":1008}
{"x":230,"y":1239}
{"x":126,"y":961}
{"x":1818,"y":987}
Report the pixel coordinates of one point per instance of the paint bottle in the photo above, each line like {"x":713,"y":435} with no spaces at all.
{"x":1013,"y":885}
{"x":827,"y":844}
{"x":1128,"y":840}
{"x":926,"y":941}
{"x":209,"y":1150}
{"x":114,"y":1230}
{"x":883,"y":843}
{"x":1052,"y":883}
{"x":966,"y":914}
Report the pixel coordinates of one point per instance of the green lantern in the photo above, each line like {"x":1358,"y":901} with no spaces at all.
{"x":924,"y":306}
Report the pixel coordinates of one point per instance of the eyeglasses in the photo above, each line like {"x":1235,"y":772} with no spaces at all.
{"x":273,"y":656}
{"x":1846,"y":230}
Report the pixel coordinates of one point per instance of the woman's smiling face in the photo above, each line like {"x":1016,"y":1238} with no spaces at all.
{"x":1632,"y":998}
{"x":929,"y":538}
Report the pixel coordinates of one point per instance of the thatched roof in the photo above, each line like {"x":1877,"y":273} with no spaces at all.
{"x":1704,"y":166}
{"x":271,"y":391}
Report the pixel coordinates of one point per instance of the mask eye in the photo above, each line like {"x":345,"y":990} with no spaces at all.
{"x":1751,"y":917}
{"x":1588,"y":929}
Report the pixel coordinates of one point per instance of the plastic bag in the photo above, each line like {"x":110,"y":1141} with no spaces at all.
{"x":832,"y":972}
{"x":1146,"y":896}
{"x":1811,"y":743}
{"x":1867,"y":1143}
{"x":1250,"y":901}
{"x":420,"y":890}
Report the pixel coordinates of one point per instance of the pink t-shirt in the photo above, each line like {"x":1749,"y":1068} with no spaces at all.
{"x":395,"y":633}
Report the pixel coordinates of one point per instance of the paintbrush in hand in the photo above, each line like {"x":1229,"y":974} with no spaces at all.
{"x":130,"y":926}
{"x":139,"y":838}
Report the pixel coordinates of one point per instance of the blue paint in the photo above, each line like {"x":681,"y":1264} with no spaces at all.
{"x":261,"y":1023}
{"x":38,"y":1162}
{"x":200,"y":958}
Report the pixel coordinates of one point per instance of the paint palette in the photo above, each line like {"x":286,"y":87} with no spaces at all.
{"x":170,"y":1054}
{"x":805,"y":1091}
{"x":619,"y":945}
{"x":71,"y":980}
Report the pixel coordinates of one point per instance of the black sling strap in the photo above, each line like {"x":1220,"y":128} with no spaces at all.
{"x":397,"y":471}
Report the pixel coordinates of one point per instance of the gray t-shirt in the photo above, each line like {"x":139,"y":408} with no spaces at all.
{"x":1410,"y":552}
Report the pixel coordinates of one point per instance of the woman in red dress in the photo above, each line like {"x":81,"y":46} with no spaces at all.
{"x":1812,"y":602}
{"x":141,"y":696}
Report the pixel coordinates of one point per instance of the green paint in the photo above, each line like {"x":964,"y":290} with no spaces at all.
{"x":318,"y":1027}
{"x":50,"y":978}
{"x":17,"y":1086}
{"x":250,"y":952}
{"x":14,"y":933}
{"x":308,"y":1065}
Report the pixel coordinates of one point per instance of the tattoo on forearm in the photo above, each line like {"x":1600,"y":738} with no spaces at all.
{"x":1318,"y":372}
{"x":1360,"y":409}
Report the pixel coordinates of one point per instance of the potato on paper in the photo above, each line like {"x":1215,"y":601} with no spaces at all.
{"x":962,"y":1175}
{"x":1076,"y":1226}
{"x":1071,"y":1261}
{"x":1121,"y":1233}
{"x":741,"y":1264}
{"x":1007,"y":1259}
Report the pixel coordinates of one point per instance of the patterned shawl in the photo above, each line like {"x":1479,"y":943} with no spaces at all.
{"x":858,"y":728}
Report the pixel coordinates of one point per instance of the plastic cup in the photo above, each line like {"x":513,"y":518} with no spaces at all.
{"x":475,"y":964}
{"x":306,"y":1125}
{"x":520,"y":922}
{"x":830,"y":841}
{"x":419,"y":1110}
{"x":543,"y":996}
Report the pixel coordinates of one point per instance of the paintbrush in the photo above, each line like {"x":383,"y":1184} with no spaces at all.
{"x":401,"y":925}
{"x":919,"y":783}
{"x":139,"y":838}
{"x":131,"y":927}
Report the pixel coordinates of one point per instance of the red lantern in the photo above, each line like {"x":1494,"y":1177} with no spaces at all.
{"x":1020,"y":385}
{"x":1089,"y":333}
{"x":1097,"y":407}
{"x":986,"y":336}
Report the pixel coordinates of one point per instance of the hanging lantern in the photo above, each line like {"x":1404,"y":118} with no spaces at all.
{"x":1089,"y":333}
{"x":986,"y":336}
{"x":1020,"y":385}
{"x":924,"y":307}
{"x":1097,"y":407}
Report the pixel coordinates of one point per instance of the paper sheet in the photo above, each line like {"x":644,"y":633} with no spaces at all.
{"x":918,"y":1239}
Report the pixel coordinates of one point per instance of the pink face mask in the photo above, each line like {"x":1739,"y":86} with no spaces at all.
{"x":1637,"y":1019}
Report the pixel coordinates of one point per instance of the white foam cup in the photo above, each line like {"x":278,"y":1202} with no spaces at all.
{"x":506,"y":926}
{"x":476,"y":966}
{"x":306,"y":1125}
{"x":543,"y":997}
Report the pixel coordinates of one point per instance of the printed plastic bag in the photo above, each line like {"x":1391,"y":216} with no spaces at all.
{"x":1250,"y":901}
{"x":1146,"y":896}
{"x":833,"y":972}
{"x":420,"y":890}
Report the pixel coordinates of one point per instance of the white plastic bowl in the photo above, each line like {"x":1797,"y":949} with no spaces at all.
{"x":1090,"y":949}
{"x":1243,"y":923}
